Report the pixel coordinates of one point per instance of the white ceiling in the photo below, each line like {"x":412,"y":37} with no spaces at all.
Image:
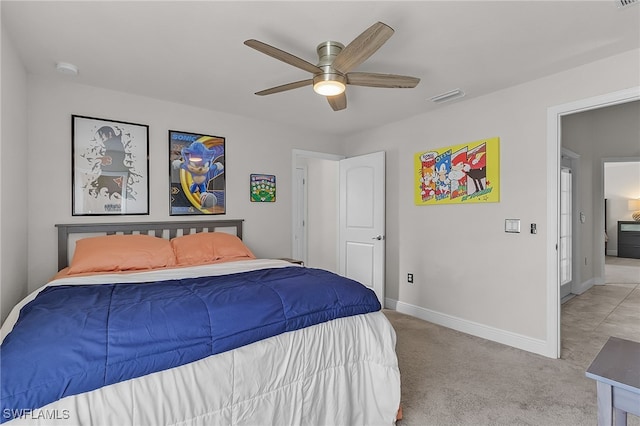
{"x":193,"y":52}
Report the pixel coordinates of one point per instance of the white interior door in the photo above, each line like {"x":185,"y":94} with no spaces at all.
{"x":362,"y":220}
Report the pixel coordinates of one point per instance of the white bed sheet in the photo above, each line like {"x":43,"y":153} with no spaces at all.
{"x":342,"y":372}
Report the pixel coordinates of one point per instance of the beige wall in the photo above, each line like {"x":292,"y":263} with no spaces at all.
{"x":468,"y":272}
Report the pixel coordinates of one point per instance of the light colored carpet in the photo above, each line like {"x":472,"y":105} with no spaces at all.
{"x":451,"y":378}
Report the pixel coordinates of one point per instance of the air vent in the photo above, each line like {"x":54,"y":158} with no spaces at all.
{"x":447,"y":96}
{"x":625,"y":3}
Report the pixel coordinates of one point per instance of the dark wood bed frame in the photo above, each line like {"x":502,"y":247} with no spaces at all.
{"x":169,"y":229}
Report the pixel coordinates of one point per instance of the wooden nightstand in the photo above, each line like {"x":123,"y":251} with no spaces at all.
{"x":288,"y":259}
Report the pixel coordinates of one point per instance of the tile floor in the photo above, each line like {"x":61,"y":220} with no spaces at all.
{"x":613,"y":309}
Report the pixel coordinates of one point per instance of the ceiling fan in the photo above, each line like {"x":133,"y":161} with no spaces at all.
{"x":333,"y":71}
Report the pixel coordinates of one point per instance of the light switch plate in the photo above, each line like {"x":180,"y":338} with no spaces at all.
{"x":512,"y":225}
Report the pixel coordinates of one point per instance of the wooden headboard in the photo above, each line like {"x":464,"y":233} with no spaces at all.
{"x":159,"y":229}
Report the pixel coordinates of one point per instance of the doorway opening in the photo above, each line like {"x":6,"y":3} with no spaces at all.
{"x":554,"y":145}
{"x":621,"y":178}
{"x":314,"y":235}
{"x":338,"y":215}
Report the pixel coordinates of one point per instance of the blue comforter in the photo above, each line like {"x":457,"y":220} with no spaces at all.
{"x":74,"y":339}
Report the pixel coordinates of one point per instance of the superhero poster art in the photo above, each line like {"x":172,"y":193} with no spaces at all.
{"x":110,"y":165}
{"x":196,"y":168}
{"x":465,"y":173}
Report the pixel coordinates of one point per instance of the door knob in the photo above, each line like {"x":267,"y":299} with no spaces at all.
{"x":378,"y":237}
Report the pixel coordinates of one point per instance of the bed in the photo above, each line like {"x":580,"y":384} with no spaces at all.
{"x":177,"y":323}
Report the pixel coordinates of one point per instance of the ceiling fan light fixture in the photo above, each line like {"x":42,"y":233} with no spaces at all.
{"x":329,"y":84}
{"x":332,"y":73}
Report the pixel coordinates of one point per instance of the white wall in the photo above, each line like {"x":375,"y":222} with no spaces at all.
{"x":621,"y":184}
{"x":16,"y":168}
{"x":251,"y":147}
{"x":468,"y":273}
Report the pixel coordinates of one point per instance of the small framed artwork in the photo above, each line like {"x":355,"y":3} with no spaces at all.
{"x":110,"y":167}
{"x":196,"y":174}
{"x":262,"y":188}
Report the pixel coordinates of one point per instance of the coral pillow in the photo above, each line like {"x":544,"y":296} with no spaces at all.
{"x":208,"y":247}
{"x":121,"y":253}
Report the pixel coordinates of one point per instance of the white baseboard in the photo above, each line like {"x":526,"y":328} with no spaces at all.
{"x":390,"y":304}
{"x":508,"y":338}
{"x":586,"y":285}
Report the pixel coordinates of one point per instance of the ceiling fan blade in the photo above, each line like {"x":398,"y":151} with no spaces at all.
{"x":338,"y":102}
{"x":362,"y":47}
{"x":283,"y":56}
{"x":285,"y":87}
{"x":381,"y":80}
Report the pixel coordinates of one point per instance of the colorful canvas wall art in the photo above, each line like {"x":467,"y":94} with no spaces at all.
{"x":197,"y":173}
{"x":465,"y":173}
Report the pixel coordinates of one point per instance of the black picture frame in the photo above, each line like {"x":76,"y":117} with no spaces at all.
{"x":110,"y":167}
{"x":197,"y":182}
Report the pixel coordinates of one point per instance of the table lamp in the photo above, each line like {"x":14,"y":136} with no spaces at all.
{"x":634,"y":205}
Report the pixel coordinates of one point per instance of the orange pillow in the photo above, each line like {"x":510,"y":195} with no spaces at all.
{"x":208,"y":247}
{"x":121,"y":253}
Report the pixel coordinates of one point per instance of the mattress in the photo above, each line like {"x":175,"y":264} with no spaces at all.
{"x":342,"y":371}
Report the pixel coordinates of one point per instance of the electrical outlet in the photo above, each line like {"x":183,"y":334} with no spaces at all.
{"x":410,"y":278}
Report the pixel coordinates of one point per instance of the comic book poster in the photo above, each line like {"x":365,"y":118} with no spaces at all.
{"x":465,"y":173}
{"x":196,"y":167}
{"x":110,"y":167}
{"x":262,"y":188}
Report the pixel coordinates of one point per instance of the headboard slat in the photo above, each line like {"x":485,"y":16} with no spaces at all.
{"x":158,"y":228}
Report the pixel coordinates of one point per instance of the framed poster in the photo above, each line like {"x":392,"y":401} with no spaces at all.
{"x":262,"y":188}
{"x":196,"y":169}
{"x":465,"y":173}
{"x":110,"y":167}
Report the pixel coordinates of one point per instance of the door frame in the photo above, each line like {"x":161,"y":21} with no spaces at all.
{"x":604,"y":161}
{"x":299,"y":154}
{"x":554,"y":145}
{"x":300,"y":215}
